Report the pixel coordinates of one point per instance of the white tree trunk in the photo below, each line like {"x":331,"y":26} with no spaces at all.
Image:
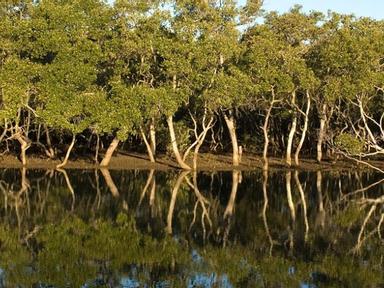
{"x":292,"y":132}
{"x":108,"y":155}
{"x":24,"y":145}
{"x":230,"y":121}
{"x":148,"y":146}
{"x":266,"y":136}
{"x":175,"y":148}
{"x":65,"y":161}
{"x":152,"y":136}
{"x":50,"y":152}
{"x":321,"y":133}
{"x":304,"y":132}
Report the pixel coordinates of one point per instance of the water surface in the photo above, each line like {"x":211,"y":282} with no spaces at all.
{"x":74,"y":228}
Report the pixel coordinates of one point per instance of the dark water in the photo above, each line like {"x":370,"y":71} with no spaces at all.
{"x":173,"y":229}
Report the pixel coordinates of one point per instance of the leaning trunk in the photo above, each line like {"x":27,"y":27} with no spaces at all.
{"x":108,"y":155}
{"x":68,"y":153}
{"x":175,"y":149}
{"x":292,"y":132}
{"x":304,"y":132}
{"x":230,"y":121}
{"x":200,"y":140}
{"x":148,"y":146}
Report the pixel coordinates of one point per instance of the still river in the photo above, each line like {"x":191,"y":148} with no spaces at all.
{"x":100,"y":228}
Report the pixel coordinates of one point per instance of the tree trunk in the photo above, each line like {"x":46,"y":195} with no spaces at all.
{"x":4,"y":131}
{"x":68,"y":153}
{"x":108,"y":155}
{"x":266,"y":136}
{"x":152,"y":136}
{"x":321,"y":133}
{"x":304,"y":132}
{"x":50,"y":152}
{"x":230,"y":121}
{"x":97,"y":148}
{"x":200,"y":140}
{"x":175,"y":149}
{"x":148,"y":146}
{"x":24,"y":145}
{"x":292,"y":132}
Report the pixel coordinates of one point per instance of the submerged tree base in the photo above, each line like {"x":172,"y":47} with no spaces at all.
{"x":206,"y":161}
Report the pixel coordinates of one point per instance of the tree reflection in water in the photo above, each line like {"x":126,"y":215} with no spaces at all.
{"x":206,"y":229}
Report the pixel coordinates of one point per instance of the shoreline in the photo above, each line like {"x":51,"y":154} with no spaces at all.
{"x":206,"y":162}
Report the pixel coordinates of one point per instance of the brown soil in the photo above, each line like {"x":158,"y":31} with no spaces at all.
{"x":206,"y":162}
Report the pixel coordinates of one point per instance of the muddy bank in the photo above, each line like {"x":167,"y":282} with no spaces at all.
{"x":206,"y":162}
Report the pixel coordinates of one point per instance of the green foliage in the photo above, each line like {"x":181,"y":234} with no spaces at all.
{"x":349,"y":143}
{"x":86,"y":66}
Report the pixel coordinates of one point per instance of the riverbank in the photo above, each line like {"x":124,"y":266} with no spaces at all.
{"x":207,"y":161}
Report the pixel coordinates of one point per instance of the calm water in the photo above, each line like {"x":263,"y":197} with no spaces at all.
{"x":105,"y":228}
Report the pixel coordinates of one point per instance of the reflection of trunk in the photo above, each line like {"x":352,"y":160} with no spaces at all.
{"x":321,"y":133}
{"x":175,"y":149}
{"x":203,"y":202}
{"x":98,"y":192}
{"x":304,"y":132}
{"x":304,"y":202}
{"x":231,"y":202}
{"x":69,"y":185}
{"x":152,"y":196}
{"x":148,"y":146}
{"x":108,"y":155}
{"x":230,"y":205}
{"x":288,"y":176}
{"x":230,"y":121}
{"x":65,"y":161}
{"x":320,"y":218}
{"x":24,"y":189}
{"x":266,"y":136}
{"x":265,"y":206}
{"x":292,"y":209}
{"x":291,"y":132}
{"x":109,"y":181}
{"x":173,"y":201}
{"x":146,"y":186}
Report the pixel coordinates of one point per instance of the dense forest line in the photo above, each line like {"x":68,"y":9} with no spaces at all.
{"x":184,"y":76}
